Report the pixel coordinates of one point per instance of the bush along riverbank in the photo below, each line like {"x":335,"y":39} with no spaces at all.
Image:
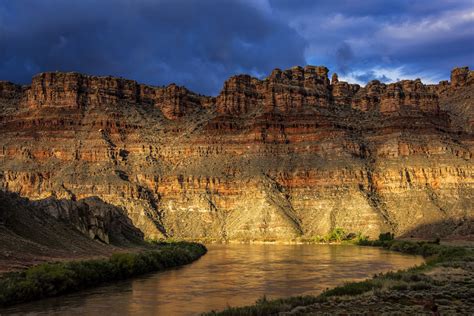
{"x":444,"y":284}
{"x":51,"y":279}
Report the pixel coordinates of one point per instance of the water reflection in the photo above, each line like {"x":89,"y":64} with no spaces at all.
{"x":227,"y":275}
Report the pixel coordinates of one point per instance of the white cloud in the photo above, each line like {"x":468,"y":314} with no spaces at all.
{"x":262,"y":5}
{"x":394,"y":74}
{"x":432,"y":27}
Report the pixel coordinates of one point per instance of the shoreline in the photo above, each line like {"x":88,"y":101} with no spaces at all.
{"x":444,"y":283}
{"x":320,"y":240}
{"x":57,"y":278}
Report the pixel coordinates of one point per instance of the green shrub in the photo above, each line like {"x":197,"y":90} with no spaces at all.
{"x":337,"y":235}
{"x":400,"y":287}
{"x":386,"y":236}
{"x":360,"y":238}
{"x":353,"y":288}
{"x":52,"y":279}
{"x":264,"y":306}
{"x":420,"y":286}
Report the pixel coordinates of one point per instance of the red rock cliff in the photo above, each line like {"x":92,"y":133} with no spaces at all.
{"x":74,"y":90}
{"x":293,"y":155}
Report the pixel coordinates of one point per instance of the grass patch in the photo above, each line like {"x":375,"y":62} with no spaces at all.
{"x":432,"y":251}
{"x":265,"y":307}
{"x":51,"y":279}
{"x":352,"y":288}
{"x":337,"y":235}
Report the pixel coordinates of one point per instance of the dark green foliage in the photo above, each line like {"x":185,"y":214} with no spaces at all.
{"x":430,"y":250}
{"x":418,"y":286}
{"x":52,"y":279}
{"x":400,"y":287}
{"x":265,"y":307}
{"x":386,"y":236}
{"x":353,"y":288}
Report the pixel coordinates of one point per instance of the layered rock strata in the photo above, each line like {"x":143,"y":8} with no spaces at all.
{"x":293,"y":155}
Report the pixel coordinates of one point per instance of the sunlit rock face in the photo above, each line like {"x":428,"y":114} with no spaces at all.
{"x":293,"y":155}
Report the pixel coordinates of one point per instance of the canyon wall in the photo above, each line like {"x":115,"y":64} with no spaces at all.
{"x":293,"y":155}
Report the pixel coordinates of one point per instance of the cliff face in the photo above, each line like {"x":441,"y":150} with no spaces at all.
{"x":292,"y":155}
{"x":76,"y":91}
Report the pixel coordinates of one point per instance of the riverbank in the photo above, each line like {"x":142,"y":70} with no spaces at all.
{"x":445,"y":284}
{"x":52,"y":279}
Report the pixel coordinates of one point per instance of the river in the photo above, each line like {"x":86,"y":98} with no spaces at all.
{"x":228,"y":275}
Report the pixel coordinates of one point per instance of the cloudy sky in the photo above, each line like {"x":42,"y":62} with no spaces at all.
{"x":201,"y":43}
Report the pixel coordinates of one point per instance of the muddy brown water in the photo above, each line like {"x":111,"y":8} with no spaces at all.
{"x":228,"y":275}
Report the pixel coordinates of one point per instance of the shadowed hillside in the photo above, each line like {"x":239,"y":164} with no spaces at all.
{"x":35,"y":231}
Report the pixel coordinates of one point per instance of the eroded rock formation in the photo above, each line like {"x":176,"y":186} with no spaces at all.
{"x":292,"y":155}
{"x":32,"y":232}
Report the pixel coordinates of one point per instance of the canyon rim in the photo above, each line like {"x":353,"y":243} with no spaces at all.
{"x":294,"y":155}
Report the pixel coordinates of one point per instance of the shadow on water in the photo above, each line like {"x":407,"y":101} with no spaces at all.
{"x":228,"y":275}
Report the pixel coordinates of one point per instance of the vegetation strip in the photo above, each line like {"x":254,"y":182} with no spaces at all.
{"x":411,"y":289}
{"x":51,"y":279}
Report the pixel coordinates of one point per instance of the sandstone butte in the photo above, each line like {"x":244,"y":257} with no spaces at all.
{"x":293,"y":155}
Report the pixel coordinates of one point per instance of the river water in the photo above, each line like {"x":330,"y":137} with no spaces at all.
{"x":228,"y":275}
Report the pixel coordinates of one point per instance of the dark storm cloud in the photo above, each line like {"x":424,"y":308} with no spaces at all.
{"x":408,"y":38}
{"x":370,"y":7}
{"x":201,"y":43}
{"x":344,"y":57}
{"x":371,"y":75}
{"x":194,"y":43}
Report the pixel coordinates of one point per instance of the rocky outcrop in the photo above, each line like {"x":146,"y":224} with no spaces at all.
{"x":9,"y":90}
{"x":32,"y":232}
{"x":94,"y":218}
{"x":461,"y":77}
{"x":297,"y":88}
{"x":75,"y":91}
{"x":292,"y":155}
{"x":456,"y":99}
{"x":282,"y":92}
